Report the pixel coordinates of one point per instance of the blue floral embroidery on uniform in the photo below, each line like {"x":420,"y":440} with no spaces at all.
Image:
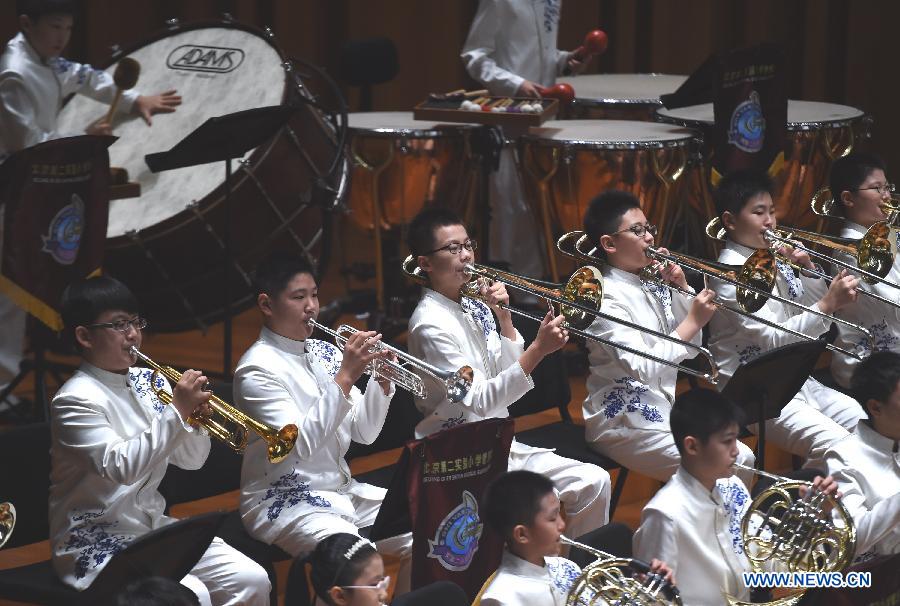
{"x":140,"y":379}
{"x":94,"y":542}
{"x":749,"y":353}
{"x":287,"y":491}
{"x":481,"y":313}
{"x":453,"y":421}
{"x":795,"y":286}
{"x":325,"y":354}
{"x":885,"y":340}
{"x":664,"y":296}
{"x":60,"y":65}
{"x":735,"y":501}
{"x":563,"y":573}
{"x":627,"y":396}
{"x":551,"y":14}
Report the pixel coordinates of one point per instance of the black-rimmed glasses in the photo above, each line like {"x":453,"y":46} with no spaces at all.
{"x":122,"y":325}
{"x":455,"y":247}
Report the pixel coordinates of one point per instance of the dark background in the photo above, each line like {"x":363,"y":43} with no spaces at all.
{"x":839,"y":51}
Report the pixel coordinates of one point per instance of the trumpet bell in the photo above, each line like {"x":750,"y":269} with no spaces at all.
{"x":585,"y":286}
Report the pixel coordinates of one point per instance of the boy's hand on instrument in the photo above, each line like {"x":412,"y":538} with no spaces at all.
{"x":842,"y":292}
{"x":796,"y":256}
{"x":672,"y":272}
{"x":385,"y":384}
{"x":189,"y":394}
{"x":357,"y":356}
{"x":528,"y":89}
{"x":662,"y":569}
{"x":163,"y":103}
{"x":99,"y":128}
{"x":551,"y":335}
{"x":703,"y":307}
{"x":496,"y":297}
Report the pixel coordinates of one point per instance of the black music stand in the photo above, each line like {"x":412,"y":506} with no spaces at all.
{"x":170,"y":552}
{"x":221,"y":139}
{"x":765,"y":385}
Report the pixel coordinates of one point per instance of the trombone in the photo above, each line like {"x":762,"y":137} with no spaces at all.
{"x":748,"y":274}
{"x":404,"y":371}
{"x":616,"y":580}
{"x":7,"y":522}
{"x":812,"y":533}
{"x":230,"y":425}
{"x":874,"y":253}
{"x":579,"y":301}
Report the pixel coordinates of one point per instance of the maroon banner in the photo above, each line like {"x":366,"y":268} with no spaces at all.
{"x":750,"y":110}
{"x":55,"y":200}
{"x":446,"y":479}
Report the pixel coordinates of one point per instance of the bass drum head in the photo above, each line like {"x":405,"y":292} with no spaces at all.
{"x":168,"y":244}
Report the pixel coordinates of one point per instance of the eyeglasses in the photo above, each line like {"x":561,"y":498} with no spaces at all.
{"x":382,"y":585}
{"x":638,"y":230}
{"x":122,"y":325}
{"x":454,"y":247}
{"x":886,"y":188}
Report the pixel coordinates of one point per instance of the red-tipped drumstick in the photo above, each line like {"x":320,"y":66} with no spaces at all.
{"x":595,"y":43}
{"x":562,"y":92}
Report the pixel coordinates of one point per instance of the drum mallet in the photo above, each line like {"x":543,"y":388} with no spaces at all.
{"x":125,"y":77}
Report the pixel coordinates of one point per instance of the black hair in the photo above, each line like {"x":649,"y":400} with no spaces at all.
{"x":876,"y":378}
{"x":275,"y":271}
{"x":849,"y":172}
{"x":420,"y":235}
{"x":515,"y":498}
{"x":604,"y":214}
{"x":156,"y":591}
{"x":701,"y":413}
{"x":35,"y":9}
{"x":331,"y":567}
{"x":83,"y":301}
{"x":739,"y":187}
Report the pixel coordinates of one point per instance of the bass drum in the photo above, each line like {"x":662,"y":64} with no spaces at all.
{"x":168,"y":244}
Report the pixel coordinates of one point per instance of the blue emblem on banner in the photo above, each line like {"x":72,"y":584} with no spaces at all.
{"x":64,"y":234}
{"x":456,"y":539}
{"x":747,"y":130}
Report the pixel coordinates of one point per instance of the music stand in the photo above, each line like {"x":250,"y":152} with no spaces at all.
{"x":222,"y":139}
{"x":763,"y":386}
{"x":170,"y":552}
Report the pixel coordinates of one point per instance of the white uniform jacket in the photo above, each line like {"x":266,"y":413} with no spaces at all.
{"x":866,"y":466}
{"x":280,"y":381}
{"x":518,"y":582}
{"x":112,"y":440}
{"x":32,"y":92}
{"x":736,"y":339}
{"x":882,"y":320}
{"x":698,"y":533}
{"x":449,"y":335}
{"x":511,"y":41}
{"x":625,"y":389}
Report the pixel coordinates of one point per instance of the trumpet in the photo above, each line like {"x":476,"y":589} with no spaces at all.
{"x":812,"y":533}
{"x":405,"y":372}
{"x":230,"y":424}
{"x":619,"y":581}
{"x":823,"y":204}
{"x":7,"y":522}
{"x":753,"y":281}
{"x":578,"y":300}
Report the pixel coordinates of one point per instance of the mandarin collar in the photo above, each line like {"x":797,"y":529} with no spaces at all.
{"x":443,"y":301}
{"x":874,"y":439}
{"x":29,"y":50}
{"x":111,"y":379}
{"x":696,"y":488}
{"x":521,"y":567}
{"x":855,"y":229}
{"x":285,"y":344}
{"x":625,"y":276}
{"x":744,"y":251}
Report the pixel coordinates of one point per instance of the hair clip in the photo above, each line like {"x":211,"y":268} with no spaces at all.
{"x":357,"y":546}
